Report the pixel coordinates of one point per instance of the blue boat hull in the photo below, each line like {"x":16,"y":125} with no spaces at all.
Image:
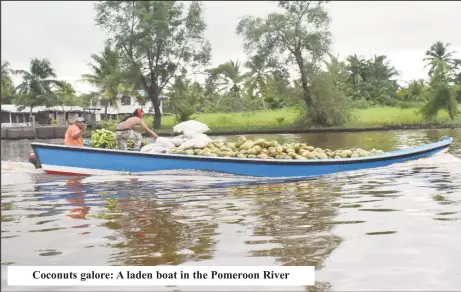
{"x":59,"y":159}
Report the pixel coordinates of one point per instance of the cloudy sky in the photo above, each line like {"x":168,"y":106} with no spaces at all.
{"x":65,"y":33}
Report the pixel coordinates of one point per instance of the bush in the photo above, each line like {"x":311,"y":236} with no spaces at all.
{"x":443,"y":97}
{"x":331,"y":107}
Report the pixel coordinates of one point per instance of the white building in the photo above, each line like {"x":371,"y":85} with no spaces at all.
{"x":11,"y":116}
{"x":125,"y":105}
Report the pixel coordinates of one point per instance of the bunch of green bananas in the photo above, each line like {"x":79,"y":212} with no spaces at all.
{"x":103,"y":138}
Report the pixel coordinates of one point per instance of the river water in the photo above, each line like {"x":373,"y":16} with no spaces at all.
{"x":394,"y":228}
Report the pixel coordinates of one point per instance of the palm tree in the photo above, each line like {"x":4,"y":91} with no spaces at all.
{"x":228,"y":79}
{"x":356,"y":66}
{"x":36,"y":88}
{"x":107,"y":75}
{"x":256,"y":77}
{"x":380,"y":68}
{"x":67,"y":96}
{"x":438,"y":56}
{"x":7,"y":82}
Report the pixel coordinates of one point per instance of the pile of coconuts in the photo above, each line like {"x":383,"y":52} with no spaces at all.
{"x":262,"y":149}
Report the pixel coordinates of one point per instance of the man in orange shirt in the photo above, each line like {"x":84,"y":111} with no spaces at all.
{"x":74,"y":134}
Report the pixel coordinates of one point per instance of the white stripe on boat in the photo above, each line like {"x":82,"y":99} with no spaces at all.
{"x":78,"y":170}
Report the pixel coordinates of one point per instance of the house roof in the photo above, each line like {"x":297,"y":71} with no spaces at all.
{"x":12,"y":108}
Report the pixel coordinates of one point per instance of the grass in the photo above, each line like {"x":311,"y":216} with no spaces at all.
{"x":273,"y":120}
{"x":393,"y":116}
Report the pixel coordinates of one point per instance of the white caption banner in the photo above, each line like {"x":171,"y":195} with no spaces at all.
{"x":161,"y":276}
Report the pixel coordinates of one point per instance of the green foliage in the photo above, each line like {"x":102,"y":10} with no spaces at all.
{"x":439,"y":57}
{"x":8,"y":90}
{"x":185,"y":98}
{"x":443,"y":96}
{"x":443,"y":93}
{"x":36,"y":87}
{"x":159,"y":44}
{"x":297,"y":36}
{"x":107,"y":75}
{"x":167,"y":41}
{"x":330,"y":106}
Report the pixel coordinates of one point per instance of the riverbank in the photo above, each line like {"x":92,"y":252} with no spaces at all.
{"x":270,"y":122}
{"x":284,"y":121}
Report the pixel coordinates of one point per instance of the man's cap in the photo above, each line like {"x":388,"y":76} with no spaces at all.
{"x":79,"y":119}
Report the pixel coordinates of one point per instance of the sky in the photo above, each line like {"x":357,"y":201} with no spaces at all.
{"x":65,"y":32}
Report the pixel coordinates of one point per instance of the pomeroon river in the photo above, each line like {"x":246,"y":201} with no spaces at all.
{"x":393,"y":228}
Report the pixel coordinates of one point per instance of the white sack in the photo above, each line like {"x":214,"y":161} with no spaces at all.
{"x":161,"y":145}
{"x":191,"y":128}
{"x":178,"y":140}
{"x":147,"y":147}
{"x":154,"y":148}
{"x":164,"y":142}
{"x":200,"y":141}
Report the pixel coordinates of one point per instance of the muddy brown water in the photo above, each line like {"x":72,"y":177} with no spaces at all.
{"x":393,"y":228}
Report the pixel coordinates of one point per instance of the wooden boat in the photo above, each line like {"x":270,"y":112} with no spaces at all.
{"x":66,"y":160}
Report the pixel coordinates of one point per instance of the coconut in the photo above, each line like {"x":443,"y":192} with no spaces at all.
{"x":232,"y":146}
{"x":189,"y":152}
{"x":330,"y":154}
{"x":309,"y":155}
{"x":263,"y":156}
{"x":279,"y":149}
{"x":274,"y":143}
{"x":260,"y":142}
{"x":257,"y":149}
{"x":252,"y":151}
{"x":247,"y":145}
{"x":264,"y":150}
{"x":321,"y":155}
{"x":293,"y":154}
{"x":251,"y":156}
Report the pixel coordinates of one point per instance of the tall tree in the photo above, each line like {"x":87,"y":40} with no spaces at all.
{"x":260,"y":67}
{"x":7,"y":83}
{"x":356,"y":66}
{"x":380,"y":68}
{"x":442,"y":94}
{"x":107,"y":75}
{"x":185,"y":98}
{"x":36,"y":87}
{"x":300,"y":34}
{"x":66,"y":96}
{"x":439,"y":56}
{"x":229,"y":79}
{"x":159,"y":40}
